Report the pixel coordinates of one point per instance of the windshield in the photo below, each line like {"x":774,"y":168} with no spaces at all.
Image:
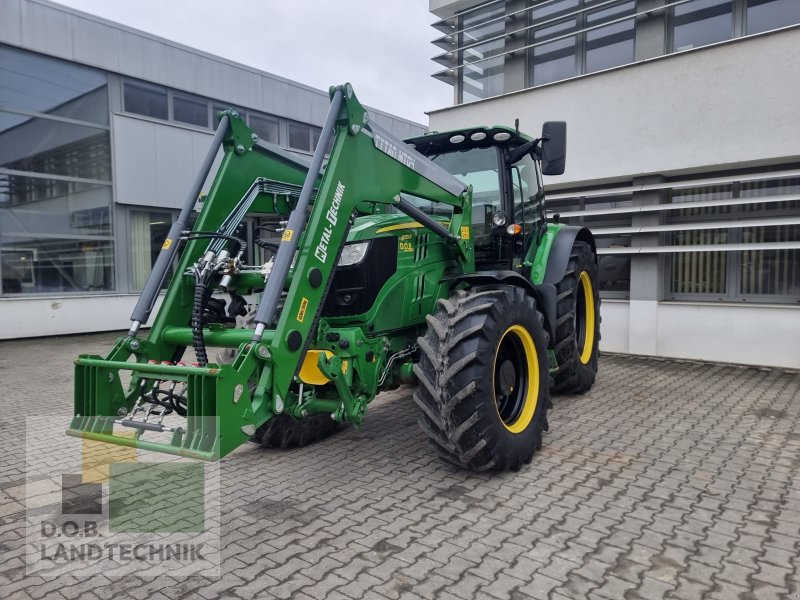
{"x":476,"y":167}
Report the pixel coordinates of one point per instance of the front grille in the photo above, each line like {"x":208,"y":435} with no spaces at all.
{"x":354,"y":288}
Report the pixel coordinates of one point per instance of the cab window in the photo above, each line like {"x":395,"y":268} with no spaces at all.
{"x":527,"y":194}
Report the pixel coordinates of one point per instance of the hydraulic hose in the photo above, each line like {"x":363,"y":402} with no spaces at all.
{"x":201,"y":290}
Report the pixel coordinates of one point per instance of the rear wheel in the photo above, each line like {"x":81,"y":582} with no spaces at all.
{"x":483,"y":378}
{"x":577,"y":323}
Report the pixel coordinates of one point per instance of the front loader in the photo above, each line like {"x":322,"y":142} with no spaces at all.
{"x":427,"y":261}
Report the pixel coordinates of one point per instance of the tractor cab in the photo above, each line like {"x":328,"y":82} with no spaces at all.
{"x":504,"y":168}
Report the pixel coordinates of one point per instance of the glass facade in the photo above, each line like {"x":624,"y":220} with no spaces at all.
{"x":702,"y":22}
{"x":148,"y":230}
{"x":481,"y":39}
{"x":186,"y":109}
{"x":144,"y":99}
{"x":763,"y":15}
{"x":56,"y":232}
{"x":699,"y":218}
{"x":504,"y":46}
{"x":57,"y":212}
{"x":159,"y":102}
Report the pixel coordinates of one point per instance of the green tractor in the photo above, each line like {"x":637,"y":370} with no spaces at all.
{"x":428,"y":261}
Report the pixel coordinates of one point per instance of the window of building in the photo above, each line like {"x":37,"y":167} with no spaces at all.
{"x":763,"y":15}
{"x":482,"y":38}
{"x":299,"y":136}
{"x":701,"y":22}
{"x":610,"y":45}
{"x":266,"y":128}
{"x":148,"y":230}
{"x":145,"y":99}
{"x":487,"y":48}
{"x":315,"y":133}
{"x":757,"y":274}
{"x":614,"y":269}
{"x":186,"y":109}
{"x":56,"y":231}
{"x":601,"y":38}
{"x":557,"y":59}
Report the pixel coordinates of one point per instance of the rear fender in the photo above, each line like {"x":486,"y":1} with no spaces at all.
{"x":560,"y":252}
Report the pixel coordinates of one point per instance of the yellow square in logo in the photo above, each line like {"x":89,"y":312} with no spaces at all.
{"x":97,"y":456}
{"x":287,"y":235}
{"x":465,"y":232}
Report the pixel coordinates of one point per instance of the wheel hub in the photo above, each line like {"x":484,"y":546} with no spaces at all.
{"x":507,"y":376}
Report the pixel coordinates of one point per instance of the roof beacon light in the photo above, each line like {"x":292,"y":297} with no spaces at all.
{"x":457,"y":139}
{"x":502,"y":136}
{"x":478,"y":136}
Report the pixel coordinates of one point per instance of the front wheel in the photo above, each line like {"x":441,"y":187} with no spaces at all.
{"x":483,"y":378}
{"x":577,"y":323}
{"x":282,"y":431}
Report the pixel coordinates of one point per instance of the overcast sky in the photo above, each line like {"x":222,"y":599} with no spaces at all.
{"x":383,"y":48}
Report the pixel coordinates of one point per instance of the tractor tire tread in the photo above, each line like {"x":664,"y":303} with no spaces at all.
{"x":450,"y":397}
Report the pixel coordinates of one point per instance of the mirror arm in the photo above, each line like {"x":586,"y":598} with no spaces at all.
{"x":520,"y":151}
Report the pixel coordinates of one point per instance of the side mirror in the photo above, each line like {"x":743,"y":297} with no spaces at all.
{"x":554,"y":147}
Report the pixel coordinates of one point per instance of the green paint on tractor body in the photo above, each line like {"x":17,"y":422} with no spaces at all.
{"x":354,"y":327}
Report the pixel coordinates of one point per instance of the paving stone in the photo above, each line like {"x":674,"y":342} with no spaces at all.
{"x":630,"y":497}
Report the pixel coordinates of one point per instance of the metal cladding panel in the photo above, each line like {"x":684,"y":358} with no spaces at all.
{"x":298,"y":105}
{"x":95,"y":44}
{"x":319,"y":109}
{"x":175,"y":168}
{"x":141,"y":57}
{"x":155,"y":163}
{"x":59,"y":31}
{"x":135,"y":161}
{"x":200,"y":145}
{"x":11,"y":23}
{"x":47,"y":30}
{"x":236,"y":86}
{"x":181,"y":67}
{"x":273,"y":94}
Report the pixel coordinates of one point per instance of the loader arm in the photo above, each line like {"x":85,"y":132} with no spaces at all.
{"x":225,"y":404}
{"x":366,"y":164}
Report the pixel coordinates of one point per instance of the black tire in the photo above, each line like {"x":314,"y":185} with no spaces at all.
{"x":282,"y":431}
{"x":577,"y":323}
{"x":475,"y":341}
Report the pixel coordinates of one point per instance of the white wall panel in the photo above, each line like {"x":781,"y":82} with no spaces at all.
{"x":155,"y":163}
{"x":175,"y":165}
{"x":35,"y":317}
{"x":756,"y":335}
{"x":135,"y":161}
{"x":614,"y":328}
{"x":733,"y":103}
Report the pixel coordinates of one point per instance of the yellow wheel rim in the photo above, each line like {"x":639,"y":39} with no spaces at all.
{"x":515,"y":379}
{"x":586,"y":330}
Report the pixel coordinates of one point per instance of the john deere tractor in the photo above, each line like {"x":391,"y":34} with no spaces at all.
{"x":380,"y":262}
